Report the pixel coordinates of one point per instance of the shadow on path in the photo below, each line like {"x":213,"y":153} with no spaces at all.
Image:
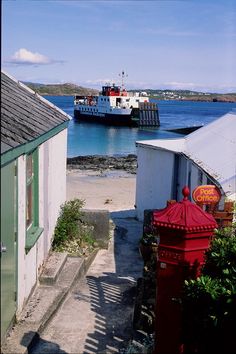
{"x":112,"y":294}
{"x":46,"y":347}
{"x":123,"y":214}
{"x":112,"y":302}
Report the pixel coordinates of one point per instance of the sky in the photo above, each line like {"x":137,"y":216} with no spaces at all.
{"x":161,"y":44}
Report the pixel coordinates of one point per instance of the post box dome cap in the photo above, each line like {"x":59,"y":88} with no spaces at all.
{"x":184,"y":215}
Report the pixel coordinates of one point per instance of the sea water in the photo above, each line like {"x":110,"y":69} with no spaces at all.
{"x":97,"y":139}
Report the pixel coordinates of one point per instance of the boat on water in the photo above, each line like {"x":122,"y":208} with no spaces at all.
{"x":115,"y":106}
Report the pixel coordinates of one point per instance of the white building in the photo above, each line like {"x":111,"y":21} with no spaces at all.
{"x":206,"y":156}
{"x":33,"y":187}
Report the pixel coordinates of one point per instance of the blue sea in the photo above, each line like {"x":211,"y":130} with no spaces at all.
{"x":96,"y":139}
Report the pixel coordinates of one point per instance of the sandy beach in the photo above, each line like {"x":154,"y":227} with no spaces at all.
{"x":107,"y":190}
{"x":103,"y":182}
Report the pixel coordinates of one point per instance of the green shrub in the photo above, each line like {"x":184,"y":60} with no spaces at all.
{"x":209,"y":302}
{"x":71,"y":233}
{"x":221,"y":257}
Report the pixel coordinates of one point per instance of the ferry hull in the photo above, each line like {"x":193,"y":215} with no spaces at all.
{"x":108,"y":119}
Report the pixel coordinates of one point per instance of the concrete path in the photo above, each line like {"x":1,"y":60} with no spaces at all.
{"x":97,"y":314}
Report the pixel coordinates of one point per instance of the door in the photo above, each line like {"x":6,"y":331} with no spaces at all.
{"x":181,"y":176}
{"x":8,"y":246}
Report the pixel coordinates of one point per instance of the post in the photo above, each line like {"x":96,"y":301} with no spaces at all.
{"x":185,"y":231}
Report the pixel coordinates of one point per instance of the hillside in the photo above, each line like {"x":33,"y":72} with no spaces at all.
{"x":187,"y":95}
{"x":60,"y":89}
{"x":183,"y":95}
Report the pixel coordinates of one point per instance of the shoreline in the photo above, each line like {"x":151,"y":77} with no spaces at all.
{"x":101,"y":163}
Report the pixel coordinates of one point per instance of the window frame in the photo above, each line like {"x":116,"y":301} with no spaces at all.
{"x":33,"y":231}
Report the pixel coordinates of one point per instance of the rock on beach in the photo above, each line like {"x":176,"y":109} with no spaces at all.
{"x":100,"y":162}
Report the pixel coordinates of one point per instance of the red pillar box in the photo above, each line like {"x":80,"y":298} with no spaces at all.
{"x":185,"y":231}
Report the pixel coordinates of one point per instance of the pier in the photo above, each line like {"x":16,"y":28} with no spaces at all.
{"x":148,"y":114}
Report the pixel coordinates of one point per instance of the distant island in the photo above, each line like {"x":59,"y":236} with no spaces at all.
{"x":69,"y":89}
{"x":60,"y":89}
{"x":187,"y":95}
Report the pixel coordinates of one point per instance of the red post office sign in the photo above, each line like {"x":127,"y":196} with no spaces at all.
{"x":207,"y":194}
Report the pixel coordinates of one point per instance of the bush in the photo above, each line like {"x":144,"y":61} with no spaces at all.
{"x":71,"y":233}
{"x":209,"y":302}
{"x":221,"y":257}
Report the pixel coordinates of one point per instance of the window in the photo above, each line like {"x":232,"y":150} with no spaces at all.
{"x":200,"y":177}
{"x":29,"y":190}
{"x":33,"y":231}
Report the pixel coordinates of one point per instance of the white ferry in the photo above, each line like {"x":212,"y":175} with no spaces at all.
{"x":115,"y":106}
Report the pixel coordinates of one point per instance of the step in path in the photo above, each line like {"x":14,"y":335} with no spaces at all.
{"x":87,"y":306}
{"x":59,"y":276}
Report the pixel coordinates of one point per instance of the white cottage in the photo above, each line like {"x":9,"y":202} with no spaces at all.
{"x":33,"y":187}
{"x":206,"y":156}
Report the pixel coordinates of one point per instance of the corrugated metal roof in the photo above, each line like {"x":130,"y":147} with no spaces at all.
{"x":212,"y":148}
{"x":176,"y":145}
{"x":25,"y":115}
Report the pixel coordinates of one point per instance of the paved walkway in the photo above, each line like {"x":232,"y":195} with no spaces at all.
{"x":96,"y":316}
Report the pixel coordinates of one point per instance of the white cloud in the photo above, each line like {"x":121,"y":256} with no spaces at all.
{"x":182,"y":85}
{"x":169,"y":31}
{"x":26,"y":57}
{"x":99,"y":81}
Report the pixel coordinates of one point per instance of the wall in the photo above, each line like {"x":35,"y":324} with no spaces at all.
{"x":52,"y":193}
{"x":154,"y":179}
{"x":156,"y":182}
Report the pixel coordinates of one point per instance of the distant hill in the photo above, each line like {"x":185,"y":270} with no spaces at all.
{"x":180,"y":95}
{"x":187,"y":95}
{"x":60,"y":89}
